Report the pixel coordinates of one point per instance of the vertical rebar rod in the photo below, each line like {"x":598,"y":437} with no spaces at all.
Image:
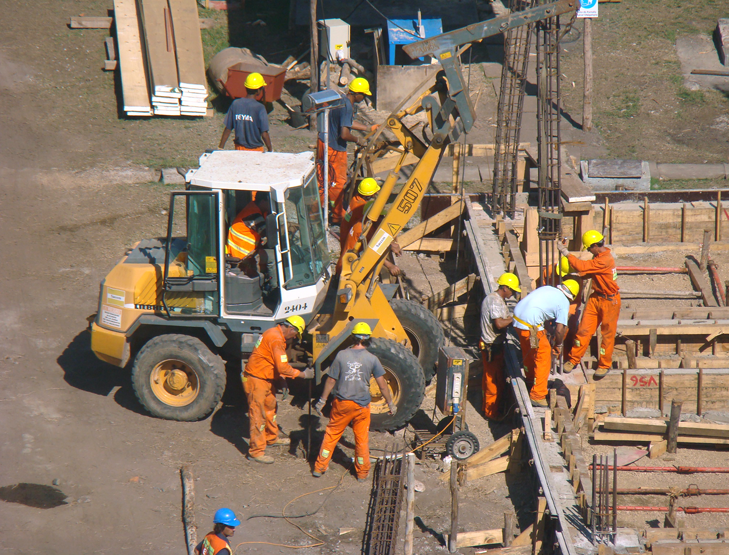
{"x":615,"y":491}
{"x":594,"y":497}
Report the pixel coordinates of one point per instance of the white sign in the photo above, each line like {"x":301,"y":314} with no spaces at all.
{"x":588,"y":8}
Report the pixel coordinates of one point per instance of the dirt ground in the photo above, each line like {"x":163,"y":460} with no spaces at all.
{"x":102,"y":476}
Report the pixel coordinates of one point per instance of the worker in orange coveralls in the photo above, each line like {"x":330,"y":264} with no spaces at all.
{"x":244,"y":235}
{"x":563,"y":271}
{"x":341,"y":123}
{"x":351,"y":226}
{"x":602,"y":308}
{"x":541,"y":306}
{"x":495,"y":319}
{"x":268,"y":364}
{"x":351,"y":372}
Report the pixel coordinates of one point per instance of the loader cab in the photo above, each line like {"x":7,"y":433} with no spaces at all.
{"x":202,"y":279}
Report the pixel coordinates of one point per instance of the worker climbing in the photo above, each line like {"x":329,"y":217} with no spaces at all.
{"x":351,"y":373}
{"x":544,"y":304}
{"x":495,"y":320}
{"x":602,"y":308}
{"x":248,"y":117}
{"x":341,"y":123}
{"x":267,"y":365}
{"x":217,"y":542}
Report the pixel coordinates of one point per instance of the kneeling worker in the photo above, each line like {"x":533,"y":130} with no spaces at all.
{"x":495,"y":319}
{"x":217,"y":542}
{"x":267,"y":364}
{"x":351,"y":372}
{"x":542,"y":305}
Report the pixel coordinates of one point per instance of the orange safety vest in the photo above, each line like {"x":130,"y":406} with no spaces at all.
{"x":212,"y":544}
{"x":243,"y":239}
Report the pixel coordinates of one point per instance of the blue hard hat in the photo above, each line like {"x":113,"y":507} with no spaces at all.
{"x":227,"y":517}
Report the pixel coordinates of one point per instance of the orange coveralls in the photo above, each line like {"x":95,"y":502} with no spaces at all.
{"x":492,"y":381}
{"x":602,"y":308}
{"x":344,"y":412}
{"x":267,"y":364}
{"x":242,"y":240}
{"x":337,"y":178}
{"x":241,"y":147}
{"x":539,"y":358}
{"x":351,"y":227}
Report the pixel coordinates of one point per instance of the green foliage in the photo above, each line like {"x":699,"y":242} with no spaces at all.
{"x":625,"y":104}
{"x":691,"y":97}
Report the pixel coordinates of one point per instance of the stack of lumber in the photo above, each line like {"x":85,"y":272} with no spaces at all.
{"x":647,"y":430}
{"x":161,"y":57}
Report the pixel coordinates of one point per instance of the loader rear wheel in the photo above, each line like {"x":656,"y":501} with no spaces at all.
{"x":406,"y":383}
{"x":176,"y":377}
{"x":424,"y":333}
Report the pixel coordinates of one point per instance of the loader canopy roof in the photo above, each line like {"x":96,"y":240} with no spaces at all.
{"x":251,"y":171}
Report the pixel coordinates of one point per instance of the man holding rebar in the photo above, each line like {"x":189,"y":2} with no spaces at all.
{"x":602,"y":308}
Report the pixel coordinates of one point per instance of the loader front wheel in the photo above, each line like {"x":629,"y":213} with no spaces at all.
{"x":424,"y":333}
{"x":176,"y":377}
{"x":405,"y":380}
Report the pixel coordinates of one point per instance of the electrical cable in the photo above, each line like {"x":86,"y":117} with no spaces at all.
{"x":434,"y":437}
{"x":288,"y":517}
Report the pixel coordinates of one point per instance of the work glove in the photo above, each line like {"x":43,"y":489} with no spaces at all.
{"x":307,"y":374}
{"x":562,"y":248}
{"x":392,"y":407}
{"x":374,"y":127}
{"x":319,"y":406}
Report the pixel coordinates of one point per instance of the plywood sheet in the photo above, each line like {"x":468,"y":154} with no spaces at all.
{"x":160,"y":42}
{"x":188,"y":43}
{"x":135,"y":92}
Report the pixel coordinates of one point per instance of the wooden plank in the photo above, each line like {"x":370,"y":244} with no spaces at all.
{"x":451,"y":293}
{"x":90,"y":22}
{"x":691,"y":547}
{"x":525,"y":538}
{"x":459,"y":311}
{"x":431,"y":245}
{"x":188,"y":42}
{"x":478,"y":150}
{"x":513,"y":550}
{"x":497,"y":448}
{"x":135,"y":91}
{"x":547,"y":425}
{"x":520,"y":267}
{"x":657,"y":426}
{"x":701,"y":284}
{"x":539,"y":525}
{"x":388,"y":161}
{"x":481,"y":537}
{"x":487,"y":469}
{"x":648,"y":438}
{"x":410,"y":236}
{"x":160,"y":45}
{"x":657,"y":448}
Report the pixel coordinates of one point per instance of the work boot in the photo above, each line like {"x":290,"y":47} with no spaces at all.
{"x":539,"y":403}
{"x":263,"y":459}
{"x":317,"y":474}
{"x":282,"y":441}
{"x":600,"y":373}
{"x":361,"y":479}
{"x":567,"y":367}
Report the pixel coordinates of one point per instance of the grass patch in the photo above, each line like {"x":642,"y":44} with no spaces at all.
{"x":691,"y":97}
{"x":625,"y":105}
{"x":677,"y":184}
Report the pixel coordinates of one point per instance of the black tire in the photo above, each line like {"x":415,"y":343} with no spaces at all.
{"x":424,"y":332}
{"x":191,"y":360}
{"x":462,"y":445}
{"x":405,"y":377}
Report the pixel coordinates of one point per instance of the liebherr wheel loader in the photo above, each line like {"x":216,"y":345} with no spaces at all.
{"x":175,"y":308}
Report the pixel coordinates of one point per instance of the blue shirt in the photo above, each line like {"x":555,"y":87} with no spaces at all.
{"x":541,"y":305}
{"x":341,"y":116}
{"x":249,"y":119}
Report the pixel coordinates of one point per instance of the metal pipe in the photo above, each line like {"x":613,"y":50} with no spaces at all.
{"x":594,"y":496}
{"x":687,"y":510}
{"x":649,"y":270}
{"x":615,"y":490}
{"x":677,"y":469}
{"x":714,"y":272}
{"x":689,"y":492}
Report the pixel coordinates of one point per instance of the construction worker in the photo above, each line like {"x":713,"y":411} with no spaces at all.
{"x":495,"y":319}
{"x":267,"y":364}
{"x":563,"y":271}
{"x":244,"y":235}
{"x":351,"y":372}
{"x":350,"y":229}
{"x":602,"y":308}
{"x":217,"y":542}
{"x":544,"y":304}
{"x":341,"y":123}
{"x":249,"y":118}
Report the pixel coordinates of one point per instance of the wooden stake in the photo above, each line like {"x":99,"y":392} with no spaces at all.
{"x":630,"y":350}
{"x":657,"y":448}
{"x":673,"y":426}
{"x":699,"y":403}
{"x":539,"y":526}
{"x":453,"y":537}
{"x":683,"y":222}
{"x":314,"y":59}
{"x":717,"y":226}
{"x":624,"y":401}
{"x":705,"y":245}
{"x":188,"y":508}
{"x":605,"y":216}
{"x":410,"y":507}
{"x":456,"y":166}
{"x":509,"y":526}
{"x":661,"y":382}
{"x":646,"y":220}
{"x":587,"y":94}
{"x":548,"y":425}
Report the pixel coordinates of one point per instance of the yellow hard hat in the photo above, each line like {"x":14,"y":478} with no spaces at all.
{"x":591,"y":237}
{"x":510,"y":280}
{"x":563,"y":267}
{"x":360,"y":85}
{"x":571,"y":286}
{"x":296,"y":322}
{"x":362,"y":328}
{"x":254,"y":81}
{"x":368,"y":187}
